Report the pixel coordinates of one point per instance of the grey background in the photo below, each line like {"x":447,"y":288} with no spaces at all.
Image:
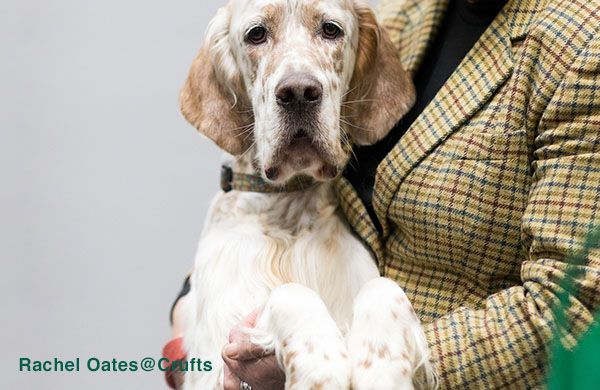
{"x":104,"y":186}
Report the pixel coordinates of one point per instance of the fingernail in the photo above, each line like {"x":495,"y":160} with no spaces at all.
{"x":231,"y":350}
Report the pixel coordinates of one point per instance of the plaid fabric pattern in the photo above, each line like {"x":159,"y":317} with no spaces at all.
{"x":491,"y":187}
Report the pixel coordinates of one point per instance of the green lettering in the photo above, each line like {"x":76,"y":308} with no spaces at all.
{"x":24,"y":362}
{"x":93,"y":364}
{"x":183,"y":367}
{"x":196,"y":364}
{"x":163,"y":368}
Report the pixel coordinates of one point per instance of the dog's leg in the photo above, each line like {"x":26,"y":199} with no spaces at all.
{"x":296,"y":325}
{"x":386,"y":343}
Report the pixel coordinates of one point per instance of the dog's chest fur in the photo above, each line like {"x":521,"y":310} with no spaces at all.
{"x":253,"y":242}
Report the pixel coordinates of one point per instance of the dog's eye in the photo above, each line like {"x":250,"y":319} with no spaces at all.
{"x":257,"y":35}
{"x":331,"y":31}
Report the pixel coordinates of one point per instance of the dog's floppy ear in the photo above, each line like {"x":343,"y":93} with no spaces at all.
{"x":381,"y":91}
{"x":212,"y":98}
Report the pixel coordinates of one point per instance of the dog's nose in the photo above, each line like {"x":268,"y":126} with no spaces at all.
{"x":298,"y":90}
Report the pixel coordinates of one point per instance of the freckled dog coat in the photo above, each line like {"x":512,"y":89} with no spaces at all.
{"x":285,"y":87}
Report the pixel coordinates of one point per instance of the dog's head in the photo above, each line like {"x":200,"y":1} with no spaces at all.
{"x":294,"y":81}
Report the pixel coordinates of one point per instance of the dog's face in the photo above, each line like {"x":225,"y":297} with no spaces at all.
{"x":293,"y":81}
{"x":296,"y":59}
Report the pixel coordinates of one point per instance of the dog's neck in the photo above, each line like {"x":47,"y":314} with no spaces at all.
{"x":244,"y":175}
{"x":290,"y":211}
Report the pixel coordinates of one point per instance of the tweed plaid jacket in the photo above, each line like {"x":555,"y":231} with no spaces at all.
{"x":491,"y":187}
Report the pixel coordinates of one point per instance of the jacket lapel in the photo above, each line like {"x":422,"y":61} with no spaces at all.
{"x":412,"y":26}
{"x":485,"y":68}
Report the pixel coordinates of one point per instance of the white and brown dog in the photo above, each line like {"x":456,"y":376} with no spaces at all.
{"x":285,"y":87}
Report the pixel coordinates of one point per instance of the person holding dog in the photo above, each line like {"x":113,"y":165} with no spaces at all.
{"x":475,"y":199}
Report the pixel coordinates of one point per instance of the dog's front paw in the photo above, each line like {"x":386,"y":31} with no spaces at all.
{"x":308,"y":344}
{"x":386,"y":342}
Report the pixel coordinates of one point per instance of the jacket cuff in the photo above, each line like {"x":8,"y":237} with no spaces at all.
{"x":172,"y":351}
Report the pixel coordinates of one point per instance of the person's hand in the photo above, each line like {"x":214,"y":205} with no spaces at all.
{"x":247,"y":362}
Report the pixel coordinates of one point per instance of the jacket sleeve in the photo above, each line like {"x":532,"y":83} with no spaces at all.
{"x":504,"y":345}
